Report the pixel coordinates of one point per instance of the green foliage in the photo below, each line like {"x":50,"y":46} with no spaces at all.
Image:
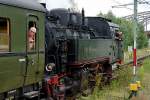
{"x":141,"y":39}
{"x":127,"y":28}
{"x":117,"y":89}
{"x":146,"y":66}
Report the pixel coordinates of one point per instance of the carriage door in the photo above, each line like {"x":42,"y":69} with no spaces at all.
{"x":32,"y":49}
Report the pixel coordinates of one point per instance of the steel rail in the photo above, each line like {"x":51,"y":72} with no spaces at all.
{"x":138,"y":59}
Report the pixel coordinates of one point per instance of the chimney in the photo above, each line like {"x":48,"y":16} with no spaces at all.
{"x":43,"y":3}
{"x":83,"y":17}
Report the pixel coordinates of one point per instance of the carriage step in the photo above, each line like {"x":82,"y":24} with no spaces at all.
{"x":32,"y":94}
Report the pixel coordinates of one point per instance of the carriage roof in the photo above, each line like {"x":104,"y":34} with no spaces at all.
{"x":27,"y":4}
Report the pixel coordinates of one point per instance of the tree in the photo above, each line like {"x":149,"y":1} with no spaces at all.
{"x":142,"y":40}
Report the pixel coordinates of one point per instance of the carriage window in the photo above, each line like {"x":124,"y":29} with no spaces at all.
{"x":31,"y":36}
{"x":4,"y":35}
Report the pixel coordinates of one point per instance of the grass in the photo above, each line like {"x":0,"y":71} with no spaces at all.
{"x":147,"y":66}
{"x":119,"y":89}
{"x":116,"y":90}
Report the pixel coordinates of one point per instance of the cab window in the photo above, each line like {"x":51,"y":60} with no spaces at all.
{"x":4,"y":35}
{"x":31,"y":36}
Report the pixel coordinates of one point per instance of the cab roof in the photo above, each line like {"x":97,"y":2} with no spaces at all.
{"x":27,"y":4}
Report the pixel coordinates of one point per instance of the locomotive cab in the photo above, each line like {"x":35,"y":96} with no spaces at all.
{"x":118,"y":42}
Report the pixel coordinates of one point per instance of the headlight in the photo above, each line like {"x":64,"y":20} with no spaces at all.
{"x":49,"y":67}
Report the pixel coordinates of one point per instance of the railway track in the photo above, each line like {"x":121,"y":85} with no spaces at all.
{"x":130,"y":62}
{"x":138,"y":60}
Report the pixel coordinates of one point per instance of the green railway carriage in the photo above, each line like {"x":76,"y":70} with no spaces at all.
{"x":20,"y":66}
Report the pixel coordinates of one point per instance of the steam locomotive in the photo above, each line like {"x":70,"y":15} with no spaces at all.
{"x":72,"y":53}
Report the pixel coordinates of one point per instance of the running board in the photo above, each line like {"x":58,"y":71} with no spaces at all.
{"x":32,"y":94}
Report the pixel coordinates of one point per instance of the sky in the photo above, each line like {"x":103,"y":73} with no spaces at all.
{"x":93,"y":7}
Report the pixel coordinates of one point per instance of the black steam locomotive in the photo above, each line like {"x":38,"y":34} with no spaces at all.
{"x":80,"y":50}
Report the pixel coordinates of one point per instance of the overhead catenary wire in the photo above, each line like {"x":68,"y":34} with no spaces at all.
{"x":143,"y":2}
{"x":120,"y":5}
